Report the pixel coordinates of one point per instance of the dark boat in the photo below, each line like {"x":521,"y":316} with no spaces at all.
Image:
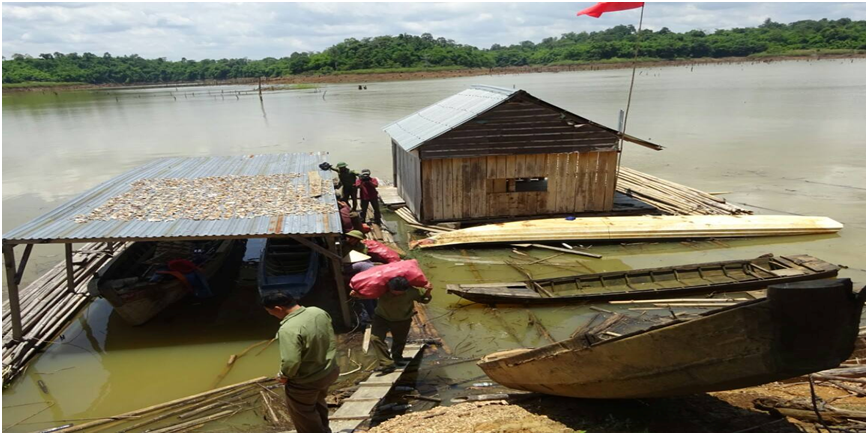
{"x":287,"y":266}
{"x":800,"y":328}
{"x":139,"y":283}
{"x":722,"y":276}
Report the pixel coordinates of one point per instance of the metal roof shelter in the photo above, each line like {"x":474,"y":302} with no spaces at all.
{"x":61,"y":226}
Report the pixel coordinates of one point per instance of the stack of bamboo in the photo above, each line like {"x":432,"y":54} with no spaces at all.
{"x":47,"y":305}
{"x":672,"y":198}
{"x":188,"y":413}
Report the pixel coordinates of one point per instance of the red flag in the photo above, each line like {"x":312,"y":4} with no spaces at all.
{"x":603,"y":7}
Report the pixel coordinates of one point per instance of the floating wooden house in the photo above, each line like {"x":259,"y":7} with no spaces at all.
{"x":490,"y":152}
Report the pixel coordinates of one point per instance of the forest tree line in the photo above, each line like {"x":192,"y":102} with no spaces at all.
{"x":427,"y":52}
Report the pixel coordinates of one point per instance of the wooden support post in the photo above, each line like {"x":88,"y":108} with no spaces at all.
{"x":70,"y":276}
{"x":338,"y":271}
{"x":23,"y":264}
{"x":12,"y":288}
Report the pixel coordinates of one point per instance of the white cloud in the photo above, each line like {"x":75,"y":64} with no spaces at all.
{"x":257,"y":30}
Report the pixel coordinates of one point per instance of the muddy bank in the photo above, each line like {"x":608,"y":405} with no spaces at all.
{"x":426,"y":75}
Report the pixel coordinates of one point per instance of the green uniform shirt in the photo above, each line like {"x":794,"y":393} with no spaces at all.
{"x":397,"y":308}
{"x":307,"y":345}
{"x":348,"y":178}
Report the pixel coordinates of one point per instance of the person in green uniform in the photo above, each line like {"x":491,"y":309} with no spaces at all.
{"x":307,"y":360}
{"x":347,"y":179}
{"x":353,"y":241}
{"x":394,"y":313}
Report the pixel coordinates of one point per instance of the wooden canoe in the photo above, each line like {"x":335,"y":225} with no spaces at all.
{"x":634,"y":228}
{"x":799,"y":328}
{"x":287,"y":266}
{"x":722,"y":276}
{"x":129,"y":282}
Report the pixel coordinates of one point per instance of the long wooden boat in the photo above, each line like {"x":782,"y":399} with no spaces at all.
{"x":287,"y":266}
{"x":799,"y":328}
{"x":721,"y":276}
{"x":138,"y":284}
{"x":634,"y":228}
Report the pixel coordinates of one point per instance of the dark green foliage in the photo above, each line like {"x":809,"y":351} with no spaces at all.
{"x":408,"y":52}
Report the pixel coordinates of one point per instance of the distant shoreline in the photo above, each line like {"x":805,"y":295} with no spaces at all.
{"x":363,"y":78}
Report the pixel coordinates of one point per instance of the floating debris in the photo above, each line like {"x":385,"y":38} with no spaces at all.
{"x":210,"y":198}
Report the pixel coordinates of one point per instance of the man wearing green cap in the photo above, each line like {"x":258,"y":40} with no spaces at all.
{"x":347,"y":179}
{"x":353,"y":241}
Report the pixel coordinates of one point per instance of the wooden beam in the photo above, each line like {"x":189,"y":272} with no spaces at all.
{"x":12,"y":288}
{"x":70,"y":276}
{"x":337,"y":270}
{"x":24,"y":258}
{"x":304,"y":241}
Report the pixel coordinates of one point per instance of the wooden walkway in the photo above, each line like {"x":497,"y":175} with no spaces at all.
{"x":389,"y":197}
{"x":358,"y":407}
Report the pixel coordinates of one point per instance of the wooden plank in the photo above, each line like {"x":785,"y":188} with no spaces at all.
{"x":390,"y":197}
{"x":611,"y":173}
{"x":552,"y":171}
{"x":314,"y":184}
{"x":638,"y":227}
{"x":477,"y":188}
{"x":457,"y":174}
{"x":427,"y":212}
{"x":599,"y":192}
{"x":361,"y":404}
{"x":438,"y":193}
{"x":567,"y":195}
{"x":554,"y":248}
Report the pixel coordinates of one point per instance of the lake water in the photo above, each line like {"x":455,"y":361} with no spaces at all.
{"x":780,"y":138}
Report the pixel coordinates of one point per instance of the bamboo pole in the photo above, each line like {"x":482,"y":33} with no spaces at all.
{"x":167,"y":404}
{"x":12,"y":289}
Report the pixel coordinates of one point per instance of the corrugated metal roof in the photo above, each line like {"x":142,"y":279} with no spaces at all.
{"x":411,"y":132}
{"x":59,"y":224}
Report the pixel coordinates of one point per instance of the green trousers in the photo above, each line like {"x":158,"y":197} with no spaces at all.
{"x":399,"y":329}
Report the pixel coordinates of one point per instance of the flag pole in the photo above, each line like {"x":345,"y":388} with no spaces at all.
{"x":630,"y":93}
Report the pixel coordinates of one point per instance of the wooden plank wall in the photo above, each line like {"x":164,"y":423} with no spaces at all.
{"x":408,"y":177}
{"x":460,"y":188}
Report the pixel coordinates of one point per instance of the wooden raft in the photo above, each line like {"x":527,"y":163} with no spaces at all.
{"x":672,"y":198}
{"x":390,"y":198}
{"x":47,"y":305}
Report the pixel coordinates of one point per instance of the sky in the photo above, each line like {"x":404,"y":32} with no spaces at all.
{"x":257,"y":30}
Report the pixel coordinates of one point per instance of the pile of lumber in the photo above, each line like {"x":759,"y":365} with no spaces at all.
{"x":47,"y":305}
{"x":672,"y":198}
{"x":620,"y":228}
{"x":189,"y":413}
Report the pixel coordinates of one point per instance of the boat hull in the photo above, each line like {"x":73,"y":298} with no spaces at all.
{"x":799,"y":268}
{"x":137,"y":307}
{"x":798,"y":329}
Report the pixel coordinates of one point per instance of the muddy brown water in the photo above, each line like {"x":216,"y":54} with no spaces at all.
{"x":780,"y":138}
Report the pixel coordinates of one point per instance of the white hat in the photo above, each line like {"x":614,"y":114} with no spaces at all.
{"x":355,"y":257}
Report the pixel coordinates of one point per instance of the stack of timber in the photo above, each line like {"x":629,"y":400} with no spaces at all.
{"x":621,"y":228}
{"x":47,"y":305}
{"x":672,"y":198}
{"x":799,"y":328}
{"x":716,"y":277}
{"x":185,"y":414}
